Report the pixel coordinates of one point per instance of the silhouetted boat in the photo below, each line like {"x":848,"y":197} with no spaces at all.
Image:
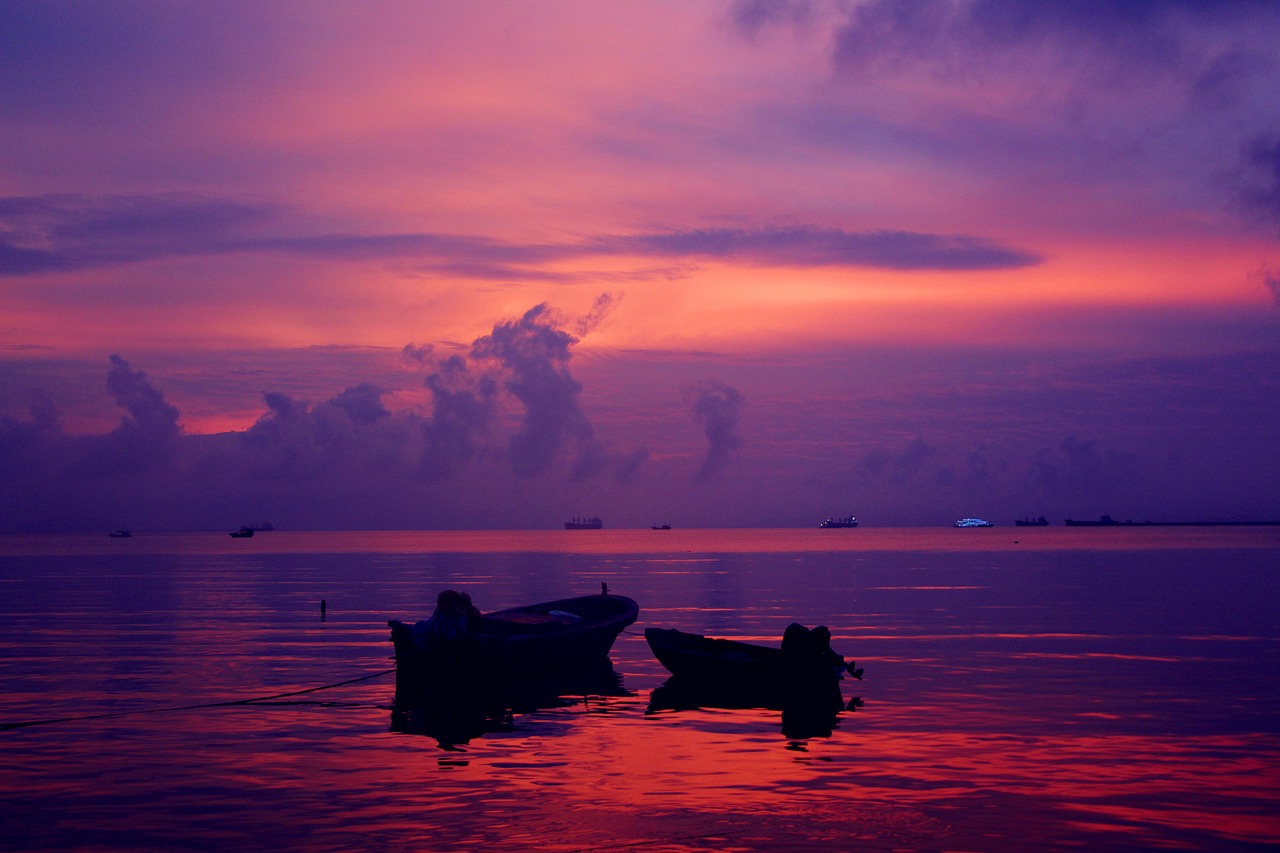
{"x":120,"y":534}
{"x":1108,"y":521}
{"x":847,"y":521}
{"x":592,"y":523}
{"x":242,"y":533}
{"x":661,"y":527}
{"x":805,"y":658}
{"x":542,"y":638}
{"x":973,"y":522}
{"x":1032,"y":522}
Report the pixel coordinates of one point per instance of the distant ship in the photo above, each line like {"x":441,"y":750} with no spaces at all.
{"x":660,"y":526}
{"x":592,"y":523}
{"x":1032,"y":522}
{"x":242,"y":533}
{"x":1108,"y":521}
{"x":848,"y":521}
{"x":120,"y":534}
{"x":973,"y":522}
{"x":265,"y":527}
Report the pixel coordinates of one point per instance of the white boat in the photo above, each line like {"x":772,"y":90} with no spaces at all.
{"x":973,"y":522}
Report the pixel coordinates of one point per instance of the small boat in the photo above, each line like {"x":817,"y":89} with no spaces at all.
{"x":973,"y":522}
{"x":592,"y":523}
{"x":546,"y":637}
{"x":805,"y":659}
{"x":661,"y":527}
{"x":847,"y":521}
{"x":1032,"y":522}
{"x":242,"y":533}
{"x":120,"y":534}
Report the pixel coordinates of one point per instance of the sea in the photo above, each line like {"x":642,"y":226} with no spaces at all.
{"x":1024,"y":689}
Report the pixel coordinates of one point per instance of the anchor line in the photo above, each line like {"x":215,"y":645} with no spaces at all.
{"x":223,"y":704}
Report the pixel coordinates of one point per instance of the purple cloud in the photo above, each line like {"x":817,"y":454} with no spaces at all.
{"x":63,"y":233}
{"x":717,"y":407}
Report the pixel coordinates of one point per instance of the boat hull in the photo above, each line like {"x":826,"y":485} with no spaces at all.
{"x":541,"y":638}
{"x":714,"y":661}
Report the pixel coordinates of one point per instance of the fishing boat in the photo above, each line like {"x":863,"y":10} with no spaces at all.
{"x":973,"y":522}
{"x":805,"y":658}
{"x":847,"y":521}
{"x":592,"y":523}
{"x":546,"y":637}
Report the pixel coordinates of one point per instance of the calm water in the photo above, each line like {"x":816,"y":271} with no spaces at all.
{"x":1025,"y":689}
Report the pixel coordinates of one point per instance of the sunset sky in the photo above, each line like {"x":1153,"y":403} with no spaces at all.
{"x":477,"y":264}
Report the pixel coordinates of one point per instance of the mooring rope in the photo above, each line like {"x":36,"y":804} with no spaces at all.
{"x":223,"y":704}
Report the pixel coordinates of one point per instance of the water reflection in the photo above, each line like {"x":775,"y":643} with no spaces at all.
{"x":807,"y":711}
{"x":457,"y":710}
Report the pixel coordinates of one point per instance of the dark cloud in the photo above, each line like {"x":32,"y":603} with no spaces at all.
{"x":601,"y":308}
{"x":821,"y":247}
{"x":145,"y":438}
{"x":749,"y":17}
{"x":895,"y":439}
{"x":528,"y":360}
{"x":150,"y":417}
{"x":463,"y":415}
{"x":1262,"y":167}
{"x":718,"y":408}
{"x":65,"y":233}
{"x":93,"y":64}
{"x":1081,"y":470}
{"x":1092,"y":37}
{"x":534,"y":355}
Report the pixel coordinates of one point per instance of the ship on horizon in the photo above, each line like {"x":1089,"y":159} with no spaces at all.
{"x":847,"y":521}
{"x":592,"y":523}
{"x":1108,"y":521}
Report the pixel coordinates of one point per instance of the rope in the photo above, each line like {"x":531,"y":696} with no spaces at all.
{"x":224,"y":704}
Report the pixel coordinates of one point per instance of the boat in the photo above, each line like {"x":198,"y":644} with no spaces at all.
{"x":804,"y":660}
{"x":973,"y":522}
{"x":242,"y":533}
{"x":120,"y":534}
{"x":847,"y":521}
{"x":660,"y":527}
{"x":1108,"y":521}
{"x":265,"y":527}
{"x":1032,"y":522}
{"x":538,"y":638}
{"x":592,"y":523}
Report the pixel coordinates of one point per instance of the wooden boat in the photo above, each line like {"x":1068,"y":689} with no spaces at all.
{"x":539,"y":638}
{"x":805,"y":658}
